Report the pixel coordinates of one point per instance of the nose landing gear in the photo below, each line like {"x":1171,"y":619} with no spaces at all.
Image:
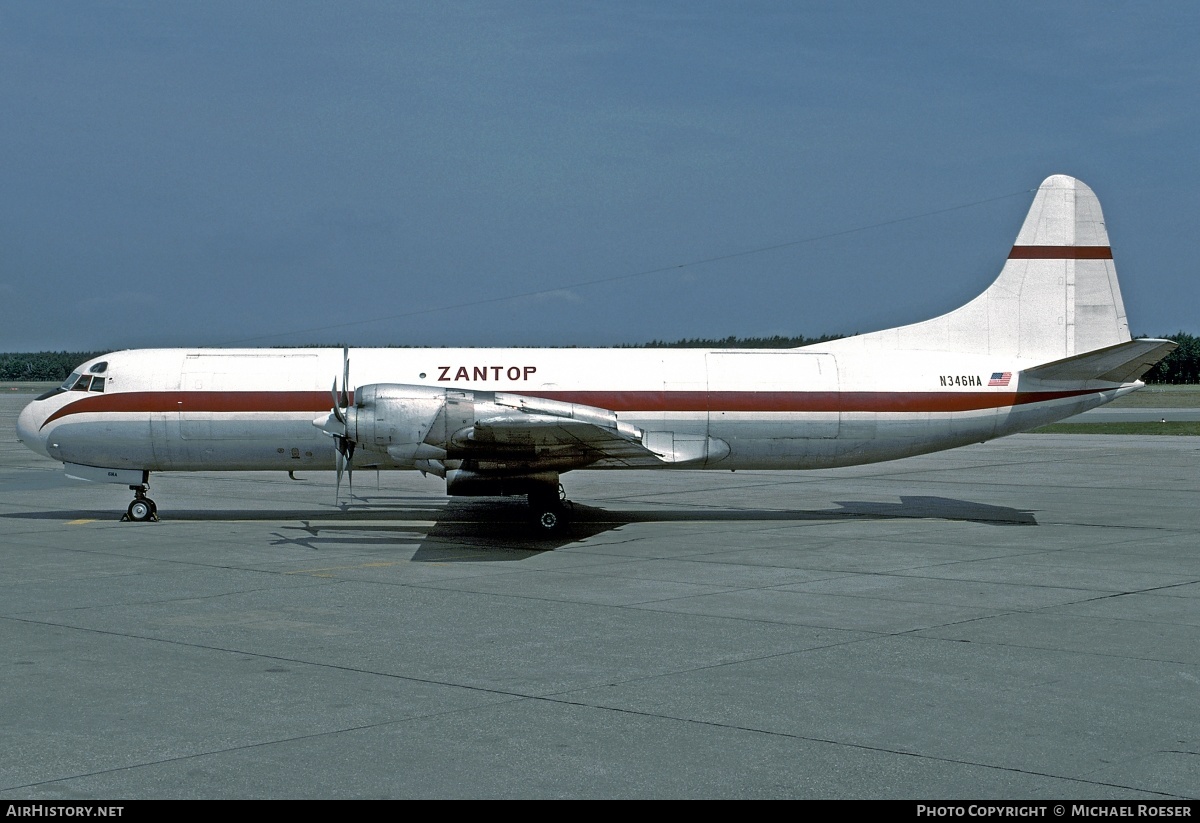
{"x":142,"y":508}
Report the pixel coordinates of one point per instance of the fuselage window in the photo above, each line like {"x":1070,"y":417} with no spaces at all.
{"x":98,"y":368}
{"x":97,"y":384}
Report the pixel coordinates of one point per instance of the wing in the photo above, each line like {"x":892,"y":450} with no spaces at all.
{"x":500,"y":432}
{"x":553,"y":431}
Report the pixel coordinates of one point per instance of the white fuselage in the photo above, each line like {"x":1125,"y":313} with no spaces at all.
{"x":227,"y":409}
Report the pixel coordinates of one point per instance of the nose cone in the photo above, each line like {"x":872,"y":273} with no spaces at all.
{"x":29,"y":425}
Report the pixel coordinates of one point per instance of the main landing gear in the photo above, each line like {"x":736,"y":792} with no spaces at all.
{"x":142,"y":508}
{"x":550,"y":510}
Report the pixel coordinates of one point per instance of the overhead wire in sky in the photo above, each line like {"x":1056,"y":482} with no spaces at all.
{"x":485,"y":301}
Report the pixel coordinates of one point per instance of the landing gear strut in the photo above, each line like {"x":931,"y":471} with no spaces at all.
{"x":550,"y":509}
{"x":142,"y":508}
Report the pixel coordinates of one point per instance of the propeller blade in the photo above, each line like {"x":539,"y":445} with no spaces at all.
{"x":338,"y":427}
{"x":337,"y":410}
{"x":337,"y":490}
{"x":345,"y":376}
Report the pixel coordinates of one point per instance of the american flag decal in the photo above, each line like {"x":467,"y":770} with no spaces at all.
{"x":1000,"y":378}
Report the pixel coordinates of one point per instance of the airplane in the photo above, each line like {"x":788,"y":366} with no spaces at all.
{"x":1047,"y":340}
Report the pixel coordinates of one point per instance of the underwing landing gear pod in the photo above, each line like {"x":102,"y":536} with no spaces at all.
{"x":142,"y":508}
{"x":548,"y":506}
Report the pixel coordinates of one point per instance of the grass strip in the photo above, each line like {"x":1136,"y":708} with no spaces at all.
{"x":1185,"y":428}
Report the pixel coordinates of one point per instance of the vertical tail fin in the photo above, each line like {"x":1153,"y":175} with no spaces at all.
{"x":1057,"y":295}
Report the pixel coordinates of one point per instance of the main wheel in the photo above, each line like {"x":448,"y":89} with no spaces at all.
{"x":549,"y":521}
{"x":549,"y":515}
{"x":140,"y":510}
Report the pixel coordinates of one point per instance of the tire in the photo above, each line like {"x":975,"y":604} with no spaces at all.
{"x":140,"y":511}
{"x":550,"y":521}
{"x":548,"y":514}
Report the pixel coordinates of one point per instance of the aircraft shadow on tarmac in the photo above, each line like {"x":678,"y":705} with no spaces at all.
{"x":464,"y":530}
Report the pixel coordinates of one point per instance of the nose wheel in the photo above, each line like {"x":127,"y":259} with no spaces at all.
{"x":142,"y":508}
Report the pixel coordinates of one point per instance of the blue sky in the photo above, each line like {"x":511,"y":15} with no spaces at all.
{"x":186,"y":174}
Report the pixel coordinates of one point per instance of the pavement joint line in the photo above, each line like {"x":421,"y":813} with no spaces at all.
{"x":901,"y":752}
{"x":517,"y":698}
{"x":558,"y":698}
{"x":914,"y":632}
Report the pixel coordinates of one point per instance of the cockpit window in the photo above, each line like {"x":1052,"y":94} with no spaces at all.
{"x":81,"y":382}
{"x":99,"y":368}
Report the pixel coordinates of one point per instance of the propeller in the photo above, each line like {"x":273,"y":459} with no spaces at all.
{"x":336,"y":426}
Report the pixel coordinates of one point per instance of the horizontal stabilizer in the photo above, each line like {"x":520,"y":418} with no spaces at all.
{"x":1122,"y":363}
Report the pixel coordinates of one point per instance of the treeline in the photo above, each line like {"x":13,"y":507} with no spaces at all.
{"x":43,"y":365}
{"x":1180,"y":366}
{"x":774,"y":342}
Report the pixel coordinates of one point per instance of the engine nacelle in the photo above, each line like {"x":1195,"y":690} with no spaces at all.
{"x":398,"y":419}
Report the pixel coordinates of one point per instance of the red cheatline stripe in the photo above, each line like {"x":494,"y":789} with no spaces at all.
{"x":778,"y":401}
{"x":198,"y":401}
{"x":263,"y":402}
{"x":1060,"y":253}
